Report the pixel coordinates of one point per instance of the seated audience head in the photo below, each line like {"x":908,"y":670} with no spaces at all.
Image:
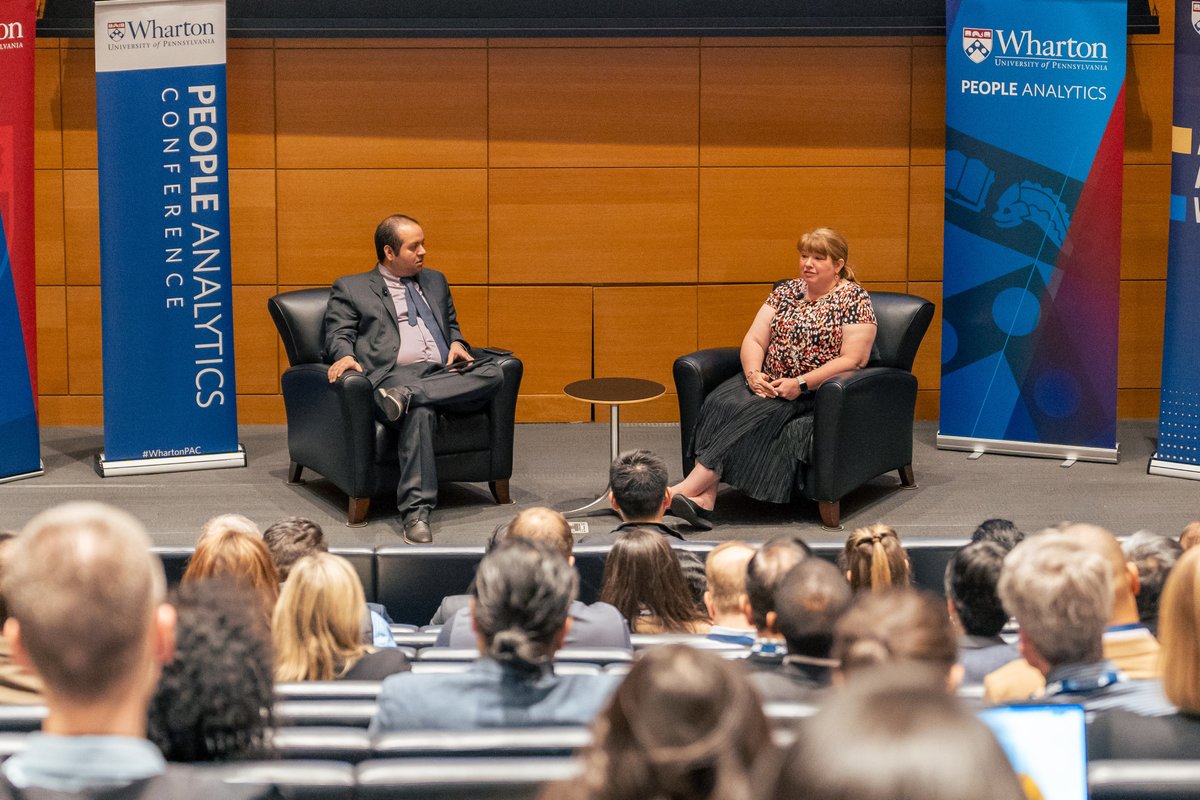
{"x":1061,"y":594}
{"x":544,"y":525}
{"x":765,"y":572}
{"x":1001,"y":531}
{"x":810,"y":600}
{"x":683,"y":725}
{"x":874,"y":559}
{"x":520,"y":602}
{"x":1179,"y":633}
{"x":290,"y":540}
{"x":903,"y":626}
{"x":86,"y":609}
{"x":643,"y":580}
{"x":317,"y":627}
{"x":1125,"y":582}
{"x":241,"y":558}
{"x":895,"y":736}
{"x":214,"y":700}
{"x":638,"y":481}
{"x":725,"y":579}
{"x":971,"y":577}
{"x":229,"y":522}
{"x":1190,"y":536}
{"x":1154,"y":556}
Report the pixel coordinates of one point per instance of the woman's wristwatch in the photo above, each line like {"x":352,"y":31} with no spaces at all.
{"x":802,"y":384}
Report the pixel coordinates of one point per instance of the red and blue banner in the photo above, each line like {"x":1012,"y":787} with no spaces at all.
{"x":20,"y":445}
{"x":166,"y":298}
{"x":1035,"y":113}
{"x":1178,"y":452}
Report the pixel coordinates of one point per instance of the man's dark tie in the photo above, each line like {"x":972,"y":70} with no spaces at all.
{"x":417,"y":307}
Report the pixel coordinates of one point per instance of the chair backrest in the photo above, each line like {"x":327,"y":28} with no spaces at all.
{"x":298,"y":780}
{"x":300,"y":319}
{"x":325,"y":713}
{"x":902,"y":321}
{"x":484,"y":742}
{"x":1144,"y":780}
{"x":461,"y":778}
{"x":307,"y":743}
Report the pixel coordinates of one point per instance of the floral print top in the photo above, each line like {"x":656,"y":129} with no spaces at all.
{"x":808,"y":333}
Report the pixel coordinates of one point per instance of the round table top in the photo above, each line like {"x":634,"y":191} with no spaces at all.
{"x":614,"y":391}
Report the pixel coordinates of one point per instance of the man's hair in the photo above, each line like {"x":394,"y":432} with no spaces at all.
{"x":523,"y":593}
{"x":7,"y":543}
{"x":229,"y":522}
{"x":290,"y":540}
{"x":638,"y":479}
{"x":1154,"y":556}
{"x":544,"y":525}
{"x":767,"y":569}
{"x":385,"y":234}
{"x":971,"y":577}
{"x":901,"y":625}
{"x":725,"y":575}
{"x":1061,"y":594}
{"x":83,"y":585}
{"x":810,"y":600}
{"x":239,"y":557}
{"x":1190,"y":537}
{"x":1001,"y":531}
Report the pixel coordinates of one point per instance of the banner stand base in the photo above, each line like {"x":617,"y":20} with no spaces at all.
{"x":147,"y":466}
{"x":1066,"y":452}
{"x":41,"y":470}
{"x":1173,"y":469}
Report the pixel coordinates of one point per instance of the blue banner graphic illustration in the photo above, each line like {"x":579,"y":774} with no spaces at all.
{"x":20,"y":447}
{"x":166,"y":298}
{"x":1034,"y":145}
{"x":1178,"y":450}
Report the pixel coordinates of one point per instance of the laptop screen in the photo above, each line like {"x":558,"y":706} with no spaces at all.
{"x":1047,"y":747}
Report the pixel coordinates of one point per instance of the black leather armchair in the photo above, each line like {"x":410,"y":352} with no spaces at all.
{"x":863,"y":421}
{"x":332,"y":428}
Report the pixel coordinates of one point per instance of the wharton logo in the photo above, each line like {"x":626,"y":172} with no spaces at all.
{"x":977,"y":43}
{"x":116,"y":31}
{"x":10,"y":31}
{"x":150,"y":29}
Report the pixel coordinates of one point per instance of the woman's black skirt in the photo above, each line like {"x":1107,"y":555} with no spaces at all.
{"x":756,"y":444}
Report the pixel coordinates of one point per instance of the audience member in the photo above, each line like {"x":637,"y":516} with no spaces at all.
{"x":810,"y":600}
{"x":1001,"y":531}
{"x":523,"y":593}
{"x":1190,"y":537}
{"x":293,"y":538}
{"x":242,"y":558}
{"x":1060,"y":591}
{"x":18,"y":685}
{"x":643,"y":580}
{"x":725,"y":573}
{"x":229,"y":522}
{"x":214,"y":699}
{"x":975,"y":608}
{"x":903,"y":626}
{"x":683,"y":725}
{"x":895,"y":736}
{"x":874,"y":559}
{"x":1127,"y":643}
{"x":595,"y":625}
{"x":317,"y":626}
{"x":1154,"y":556}
{"x":764,"y":573}
{"x":85,"y":599}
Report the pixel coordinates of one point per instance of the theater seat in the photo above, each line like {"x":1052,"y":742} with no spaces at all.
{"x":490,"y":743}
{"x":461,"y":778}
{"x":1144,"y":780}
{"x":21,"y":719}
{"x":328,"y":690}
{"x":337,"y":713}
{"x":298,"y":780}
{"x":323,"y":743}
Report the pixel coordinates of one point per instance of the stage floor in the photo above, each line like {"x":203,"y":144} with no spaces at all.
{"x":565,"y":465}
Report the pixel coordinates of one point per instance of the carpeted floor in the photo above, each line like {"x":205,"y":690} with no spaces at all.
{"x":565,"y":465}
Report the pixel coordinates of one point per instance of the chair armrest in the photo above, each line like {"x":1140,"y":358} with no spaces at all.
{"x":502,"y":413}
{"x":331,"y":426}
{"x":696,"y":375}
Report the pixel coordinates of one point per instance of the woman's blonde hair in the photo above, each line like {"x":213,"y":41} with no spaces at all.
{"x":1179,"y":633}
{"x":875,"y":560}
{"x":828,"y":242}
{"x":240,"y":557}
{"x":317,"y":628}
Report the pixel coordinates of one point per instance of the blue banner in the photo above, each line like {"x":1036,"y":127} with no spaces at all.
{"x":20,"y":447}
{"x":1179,"y":407}
{"x":166,"y":298}
{"x":1034,"y":150}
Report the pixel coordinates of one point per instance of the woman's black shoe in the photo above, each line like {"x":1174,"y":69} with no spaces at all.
{"x":687,"y":510}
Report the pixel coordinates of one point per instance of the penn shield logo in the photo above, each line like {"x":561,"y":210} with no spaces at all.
{"x":1196,"y":17}
{"x":977,"y":43}
{"x":116,"y":31}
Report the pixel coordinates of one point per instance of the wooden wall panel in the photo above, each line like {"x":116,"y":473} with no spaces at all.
{"x":1139,"y":361}
{"x":926,"y":203}
{"x":261,"y":409}
{"x":49,"y":254}
{"x":550,"y":329}
{"x":592,"y":226}
{"x":751,"y":219}
{"x":52,"y":339}
{"x":250,"y":100}
{"x":255,"y":341}
{"x":471,"y":306}
{"x":793,"y":106}
{"x":81,"y":216}
{"x":1138,"y":403}
{"x":1148,"y":86}
{"x":1144,"y":219}
{"x":725,"y":312}
{"x":327,"y":220}
{"x":63,"y":409}
{"x":928,"y":105}
{"x":928,"y":364}
{"x":593,"y":107}
{"x":79,"y":105}
{"x":84,"y":348}
{"x":47,"y":109}
{"x":252,"y":225}
{"x":379,"y":108}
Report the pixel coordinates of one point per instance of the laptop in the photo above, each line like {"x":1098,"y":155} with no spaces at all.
{"x":1047,"y":746}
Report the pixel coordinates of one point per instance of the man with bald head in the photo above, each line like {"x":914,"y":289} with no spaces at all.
{"x":725,"y":595}
{"x":1127,"y":643}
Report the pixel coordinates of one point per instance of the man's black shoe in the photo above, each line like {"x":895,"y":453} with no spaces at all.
{"x":395,"y":402}
{"x":417,"y":531}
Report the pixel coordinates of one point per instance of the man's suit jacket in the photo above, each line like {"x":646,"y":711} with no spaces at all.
{"x":360,"y":319}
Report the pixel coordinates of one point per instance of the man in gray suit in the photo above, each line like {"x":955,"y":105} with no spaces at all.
{"x":396,"y":323}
